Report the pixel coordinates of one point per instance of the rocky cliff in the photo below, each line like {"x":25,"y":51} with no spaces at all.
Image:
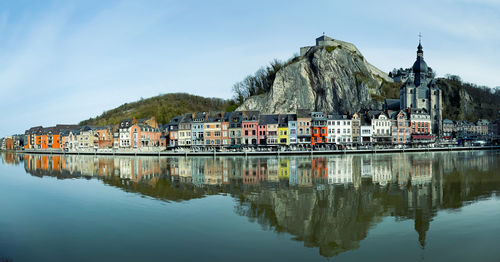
{"x":326,"y":78}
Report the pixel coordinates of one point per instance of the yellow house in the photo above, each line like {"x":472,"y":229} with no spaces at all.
{"x":283,"y":130}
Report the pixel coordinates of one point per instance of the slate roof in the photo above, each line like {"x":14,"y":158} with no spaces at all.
{"x":251,"y":115}
{"x":303,"y":113}
{"x":448,"y":121}
{"x":392,"y":104}
{"x":268,"y":119}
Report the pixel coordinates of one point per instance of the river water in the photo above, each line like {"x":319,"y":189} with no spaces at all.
{"x":442,"y":206}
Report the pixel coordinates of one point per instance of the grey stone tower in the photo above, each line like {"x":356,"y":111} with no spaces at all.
{"x":420,"y":91}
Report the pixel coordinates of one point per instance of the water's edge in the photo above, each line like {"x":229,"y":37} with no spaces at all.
{"x":253,"y":153}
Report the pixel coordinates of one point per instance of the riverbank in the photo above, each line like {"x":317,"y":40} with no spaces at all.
{"x":257,"y":153}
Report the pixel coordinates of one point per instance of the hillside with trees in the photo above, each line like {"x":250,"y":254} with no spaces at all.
{"x":162,"y":107}
{"x":467,"y":101}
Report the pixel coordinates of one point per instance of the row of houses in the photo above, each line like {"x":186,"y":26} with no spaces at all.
{"x":14,"y":142}
{"x":233,"y":130}
{"x":304,"y":128}
{"x":130,"y":133}
{"x":465,"y":129}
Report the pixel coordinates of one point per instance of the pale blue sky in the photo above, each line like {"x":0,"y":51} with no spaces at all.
{"x":65,"y":61}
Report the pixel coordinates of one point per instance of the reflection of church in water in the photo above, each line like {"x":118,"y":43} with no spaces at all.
{"x":308,"y":197}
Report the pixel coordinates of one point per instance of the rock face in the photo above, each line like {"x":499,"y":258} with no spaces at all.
{"x":326,"y":78}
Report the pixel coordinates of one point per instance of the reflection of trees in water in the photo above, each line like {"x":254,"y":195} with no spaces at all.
{"x":325,"y":202}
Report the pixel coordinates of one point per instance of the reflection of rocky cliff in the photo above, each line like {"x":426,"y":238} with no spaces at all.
{"x":335,"y":219}
{"x":326,"y":202}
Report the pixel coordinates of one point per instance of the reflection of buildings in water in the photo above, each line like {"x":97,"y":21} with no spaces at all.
{"x":319,"y":167}
{"x":139,"y":169}
{"x":198,"y":171}
{"x":340,"y":170}
{"x":382,"y":170}
{"x":226,"y":180}
{"x":477,"y":160}
{"x":272,"y":169}
{"x":401,"y":169}
{"x":250,"y":170}
{"x":12,"y":158}
{"x":213,"y":171}
{"x":447,"y":162}
{"x":304,"y":172}
{"x":185,"y":169}
{"x":293,"y":180}
{"x":255,"y":171}
{"x":319,"y":171}
{"x":421,"y":171}
{"x":126,"y":170}
{"x":234,"y":169}
{"x":366,"y":166}
{"x":283,"y":172}
{"x":135,"y":169}
{"x":174,"y":166}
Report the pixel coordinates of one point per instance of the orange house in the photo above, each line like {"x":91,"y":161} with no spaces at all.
{"x":44,"y":138}
{"x":9,"y":144}
{"x":319,"y":135}
{"x":56,"y":141}
{"x":212,"y":129}
{"x":38,"y":141}
{"x":45,"y":142}
{"x":319,"y":128}
{"x":28,"y":140}
{"x":105,"y":138}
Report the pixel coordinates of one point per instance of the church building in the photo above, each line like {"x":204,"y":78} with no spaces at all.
{"x":420,"y":91}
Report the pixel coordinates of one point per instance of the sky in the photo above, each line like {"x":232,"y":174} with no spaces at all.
{"x":65,"y":61}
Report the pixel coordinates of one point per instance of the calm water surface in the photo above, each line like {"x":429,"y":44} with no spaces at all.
{"x":391,"y":207}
